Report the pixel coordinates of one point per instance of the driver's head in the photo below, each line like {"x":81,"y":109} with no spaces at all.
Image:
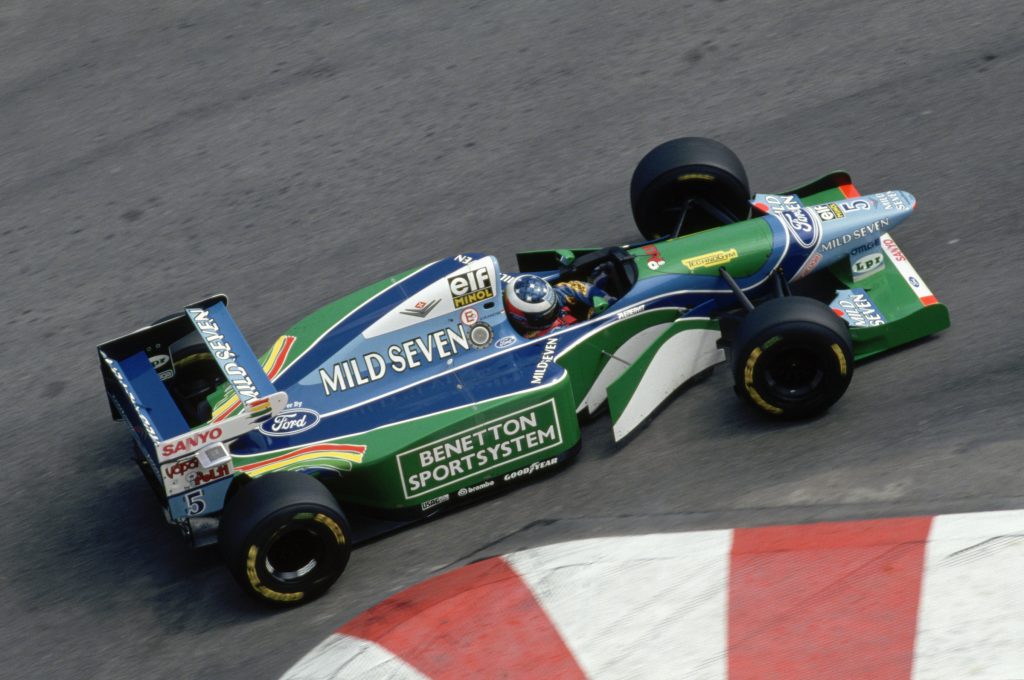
{"x":530,"y":302}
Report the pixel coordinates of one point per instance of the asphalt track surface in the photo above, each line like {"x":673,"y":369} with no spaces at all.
{"x":289,"y":152}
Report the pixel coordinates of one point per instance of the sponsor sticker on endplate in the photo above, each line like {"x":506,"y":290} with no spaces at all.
{"x":857,"y":308}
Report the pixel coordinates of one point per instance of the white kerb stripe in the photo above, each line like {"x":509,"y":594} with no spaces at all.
{"x":641,"y":606}
{"x":970,"y":622}
{"x":343,"y":657}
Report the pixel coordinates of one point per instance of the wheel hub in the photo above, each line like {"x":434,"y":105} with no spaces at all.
{"x":794,"y":373}
{"x":293,"y":555}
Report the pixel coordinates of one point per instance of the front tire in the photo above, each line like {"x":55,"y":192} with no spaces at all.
{"x":284,"y":538}
{"x":680,"y":170}
{"x":792,"y":357}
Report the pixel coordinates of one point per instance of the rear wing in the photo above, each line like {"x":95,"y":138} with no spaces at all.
{"x":137,"y":373}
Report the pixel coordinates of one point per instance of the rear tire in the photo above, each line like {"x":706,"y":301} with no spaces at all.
{"x":284,"y":538}
{"x":792,"y":357}
{"x":682,"y":169}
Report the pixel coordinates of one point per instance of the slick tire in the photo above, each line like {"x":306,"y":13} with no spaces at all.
{"x":284,"y":538}
{"x":792,"y":357}
{"x":682,"y":169}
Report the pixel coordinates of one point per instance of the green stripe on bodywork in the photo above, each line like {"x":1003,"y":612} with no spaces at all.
{"x":622,"y":389}
{"x":585,"y":360}
{"x":741,"y":248}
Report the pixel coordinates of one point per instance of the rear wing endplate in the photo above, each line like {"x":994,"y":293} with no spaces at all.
{"x":141,"y":400}
{"x":232,"y":353}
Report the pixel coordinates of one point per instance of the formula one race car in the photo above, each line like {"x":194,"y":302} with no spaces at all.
{"x":416,"y":394}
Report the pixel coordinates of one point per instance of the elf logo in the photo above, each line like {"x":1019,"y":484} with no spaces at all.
{"x":470,"y":287}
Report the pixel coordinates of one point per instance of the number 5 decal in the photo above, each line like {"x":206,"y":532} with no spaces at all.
{"x":195,"y":501}
{"x":856,"y":204}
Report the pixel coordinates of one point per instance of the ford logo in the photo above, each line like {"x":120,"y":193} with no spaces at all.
{"x":289,"y":422}
{"x":801,"y":224}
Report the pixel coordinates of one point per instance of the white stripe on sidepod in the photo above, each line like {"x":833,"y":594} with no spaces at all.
{"x":969,"y":624}
{"x":637,"y":606}
{"x":683,"y":356}
{"x":618,"y":363}
{"x":342,"y":656}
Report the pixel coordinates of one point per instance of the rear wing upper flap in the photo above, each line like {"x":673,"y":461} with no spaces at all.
{"x":227,"y":345}
{"x":163,"y":331}
{"x":154,"y":340}
{"x":138,"y":392}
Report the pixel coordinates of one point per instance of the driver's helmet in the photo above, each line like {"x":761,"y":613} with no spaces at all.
{"x":530,"y":302}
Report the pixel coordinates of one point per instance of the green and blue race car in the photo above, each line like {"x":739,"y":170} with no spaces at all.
{"x":416,"y":394}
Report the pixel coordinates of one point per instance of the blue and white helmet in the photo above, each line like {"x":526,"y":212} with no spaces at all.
{"x":530,"y":302}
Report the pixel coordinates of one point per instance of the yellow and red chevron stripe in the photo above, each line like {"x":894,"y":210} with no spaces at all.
{"x":352,"y":453}
{"x":272,"y":365}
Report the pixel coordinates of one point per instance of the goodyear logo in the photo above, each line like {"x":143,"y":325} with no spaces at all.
{"x":470,"y":287}
{"x":713,"y":259}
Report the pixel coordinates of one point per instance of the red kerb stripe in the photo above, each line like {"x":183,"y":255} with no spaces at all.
{"x":478,"y":621}
{"x":836,"y":600}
